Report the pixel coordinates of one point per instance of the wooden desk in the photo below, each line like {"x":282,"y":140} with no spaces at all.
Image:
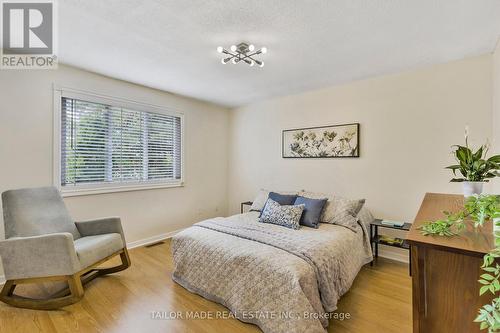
{"x":445,"y":270}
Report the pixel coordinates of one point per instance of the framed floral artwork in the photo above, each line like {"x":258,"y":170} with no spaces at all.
{"x":321,"y":142}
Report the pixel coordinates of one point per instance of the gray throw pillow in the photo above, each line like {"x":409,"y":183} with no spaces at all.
{"x":338,"y":210}
{"x":286,"y":216}
{"x":347,"y":212}
{"x":312,"y":210}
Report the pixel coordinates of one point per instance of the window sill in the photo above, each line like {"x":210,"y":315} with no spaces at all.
{"x":68,"y":192}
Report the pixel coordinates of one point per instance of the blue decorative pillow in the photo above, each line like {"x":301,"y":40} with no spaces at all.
{"x":282,"y":199}
{"x":286,"y":216}
{"x":312,"y":210}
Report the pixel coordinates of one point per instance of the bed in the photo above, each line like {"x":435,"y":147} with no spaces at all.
{"x":280,"y":279}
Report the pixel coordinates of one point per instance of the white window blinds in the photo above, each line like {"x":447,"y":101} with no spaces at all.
{"x":106,"y":144}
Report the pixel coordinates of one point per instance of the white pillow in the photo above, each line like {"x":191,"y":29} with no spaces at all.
{"x":259,"y":201}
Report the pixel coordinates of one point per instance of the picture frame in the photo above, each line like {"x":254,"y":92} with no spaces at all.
{"x":332,"y":141}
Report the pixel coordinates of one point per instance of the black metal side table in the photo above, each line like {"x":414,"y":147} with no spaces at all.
{"x":377,"y":239}
{"x":246,"y":203}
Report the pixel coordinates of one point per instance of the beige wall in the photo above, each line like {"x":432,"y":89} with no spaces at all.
{"x":496,"y":110}
{"x":408,"y":123}
{"x":26,"y":130}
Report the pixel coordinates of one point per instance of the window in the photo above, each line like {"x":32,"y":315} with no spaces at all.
{"x":110,"y":145}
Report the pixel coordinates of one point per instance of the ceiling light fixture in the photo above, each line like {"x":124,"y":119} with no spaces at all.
{"x":242,"y":52}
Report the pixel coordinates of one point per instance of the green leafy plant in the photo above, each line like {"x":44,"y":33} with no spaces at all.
{"x":450,"y":226}
{"x":489,"y":314}
{"x":474,"y":166}
{"x":482,"y":208}
{"x":479,"y":208}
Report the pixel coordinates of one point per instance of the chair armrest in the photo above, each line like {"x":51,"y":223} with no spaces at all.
{"x":39,"y":256}
{"x":101,"y":226}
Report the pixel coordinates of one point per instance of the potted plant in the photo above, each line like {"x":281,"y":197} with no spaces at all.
{"x":474,"y":167}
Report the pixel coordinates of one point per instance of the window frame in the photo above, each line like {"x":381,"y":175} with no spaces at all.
{"x":99,"y":188}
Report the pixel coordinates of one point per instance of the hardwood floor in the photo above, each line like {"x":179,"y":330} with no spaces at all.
{"x":379,"y":301}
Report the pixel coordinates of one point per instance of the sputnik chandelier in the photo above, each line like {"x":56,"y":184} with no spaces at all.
{"x":242,"y":52}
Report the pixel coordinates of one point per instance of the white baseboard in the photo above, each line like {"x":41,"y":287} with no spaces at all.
{"x":394,"y":255}
{"x":153,"y":239}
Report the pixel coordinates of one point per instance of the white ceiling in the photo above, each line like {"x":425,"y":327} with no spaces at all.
{"x":171,"y":45}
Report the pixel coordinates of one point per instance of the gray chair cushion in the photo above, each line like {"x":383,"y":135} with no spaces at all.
{"x":91,"y":249}
{"x":39,"y":256}
{"x":35,"y":212}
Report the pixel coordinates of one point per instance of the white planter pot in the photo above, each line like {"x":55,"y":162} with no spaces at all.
{"x":471,"y":188}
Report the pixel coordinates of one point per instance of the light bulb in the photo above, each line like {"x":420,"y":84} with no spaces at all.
{"x":263,"y":50}
{"x":251,"y":47}
{"x":223,"y":61}
{"x":233,"y":48}
{"x":220,"y":49}
{"x":234,"y":61}
{"x":261,"y":64}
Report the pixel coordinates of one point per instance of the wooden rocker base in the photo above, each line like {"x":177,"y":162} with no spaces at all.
{"x":70,"y":295}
